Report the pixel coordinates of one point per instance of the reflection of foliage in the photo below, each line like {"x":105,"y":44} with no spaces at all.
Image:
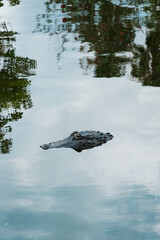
{"x":14,"y":94}
{"x":5,"y":144}
{"x":153,"y":43}
{"x":11,"y":2}
{"x":1,"y":3}
{"x":109,"y":28}
{"x":6,"y":32}
{"x":14,"y":2}
{"x":146,"y":65}
{"x":109,"y":66}
{"x":92,"y":22}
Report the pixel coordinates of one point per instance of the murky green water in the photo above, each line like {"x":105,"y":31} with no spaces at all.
{"x":77,"y":65}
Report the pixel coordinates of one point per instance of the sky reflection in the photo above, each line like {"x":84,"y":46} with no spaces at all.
{"x":109,"y":192}
{"x":129,"y":215}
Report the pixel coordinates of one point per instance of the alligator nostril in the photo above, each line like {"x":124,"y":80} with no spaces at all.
{"x":44,"y":146}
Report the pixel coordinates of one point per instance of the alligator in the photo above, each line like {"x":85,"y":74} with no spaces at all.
{"x":80,"y":141}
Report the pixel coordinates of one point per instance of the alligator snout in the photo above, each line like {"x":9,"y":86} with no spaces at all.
{"x":110,"y":135}
{"x":44,"y":146}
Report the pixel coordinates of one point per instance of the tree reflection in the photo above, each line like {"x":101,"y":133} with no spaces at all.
{"x":11,"y":2}
{"x":146,"y":65}
{"x":110,"y":28}
{"x":14,"y":2}
{"x":14,"y":92}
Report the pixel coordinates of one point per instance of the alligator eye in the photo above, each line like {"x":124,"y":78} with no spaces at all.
{"x":77,"y":135}
{"x":73,"y":133}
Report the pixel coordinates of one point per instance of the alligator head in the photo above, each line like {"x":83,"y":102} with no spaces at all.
{"x":80,"y":140}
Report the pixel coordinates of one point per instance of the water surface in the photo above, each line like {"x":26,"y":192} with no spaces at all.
{"x":65,"y":66}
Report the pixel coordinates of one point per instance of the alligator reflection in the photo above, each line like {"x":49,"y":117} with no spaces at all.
{"x":14,"y":93}
{"x":110,"y":29}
